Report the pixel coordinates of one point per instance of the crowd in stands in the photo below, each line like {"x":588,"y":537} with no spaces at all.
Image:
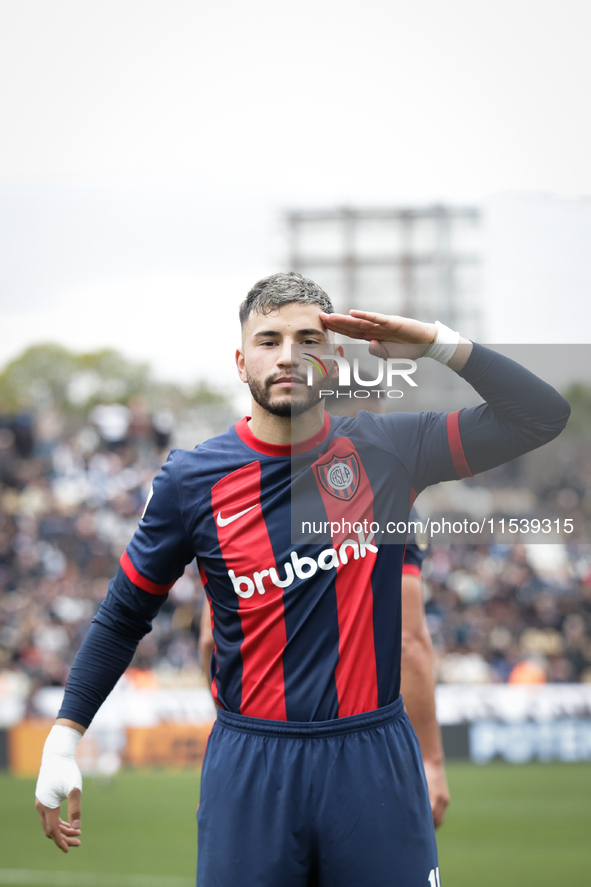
{"x":518,"y":614}
{"x":69,"y":503}
{"x":70,"y":499}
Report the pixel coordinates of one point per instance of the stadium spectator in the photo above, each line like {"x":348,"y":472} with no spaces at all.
{"x":65,"y":510}
{"x":113,"y":421}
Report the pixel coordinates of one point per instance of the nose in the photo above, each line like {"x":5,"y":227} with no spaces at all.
{"x":288,"y":354}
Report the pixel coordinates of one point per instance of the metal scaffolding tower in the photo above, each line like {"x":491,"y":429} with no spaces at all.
{"x":415,"y":261}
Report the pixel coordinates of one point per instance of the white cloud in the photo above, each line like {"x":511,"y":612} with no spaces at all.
{"x":335,"y":99}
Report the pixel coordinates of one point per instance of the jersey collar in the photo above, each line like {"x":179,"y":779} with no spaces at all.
{"x":270,"y":449}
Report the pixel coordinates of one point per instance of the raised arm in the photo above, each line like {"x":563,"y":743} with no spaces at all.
{"x":206,"y":642}
{"x":521,"y":412}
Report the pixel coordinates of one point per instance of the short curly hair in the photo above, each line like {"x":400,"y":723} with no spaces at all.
{"x":282,"y":289}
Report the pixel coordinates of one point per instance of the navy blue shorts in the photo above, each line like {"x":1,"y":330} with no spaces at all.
{"x":339,"y":803}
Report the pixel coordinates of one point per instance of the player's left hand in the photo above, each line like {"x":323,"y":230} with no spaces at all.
{"x":389,"y":335}
{"x":438,"y":790}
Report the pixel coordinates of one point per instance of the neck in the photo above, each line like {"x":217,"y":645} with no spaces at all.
{"x":285,"y":431}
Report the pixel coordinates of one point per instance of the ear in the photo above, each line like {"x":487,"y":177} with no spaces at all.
{"x":241,"y":365}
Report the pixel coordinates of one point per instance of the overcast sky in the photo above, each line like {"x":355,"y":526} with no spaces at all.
{"x":210,"y":118}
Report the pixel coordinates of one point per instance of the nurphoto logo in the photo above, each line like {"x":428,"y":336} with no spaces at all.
{"x":399,"y":368}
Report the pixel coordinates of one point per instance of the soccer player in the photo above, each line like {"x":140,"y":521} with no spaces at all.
{"x":313,"y":773}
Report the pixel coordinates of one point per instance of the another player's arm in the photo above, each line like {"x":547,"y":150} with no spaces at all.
{"x":155,"y":558}
{"x":418,"y":689}
{"x":206,"y":642}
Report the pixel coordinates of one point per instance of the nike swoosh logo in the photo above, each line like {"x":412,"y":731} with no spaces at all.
{"x":224,"y":521}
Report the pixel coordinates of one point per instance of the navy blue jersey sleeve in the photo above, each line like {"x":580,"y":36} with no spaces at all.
{"x":155,"y":558}
{"x":413,"y":558}
{"x":521,"y":413}
{"x":100,"y":662}
{"x":161,"y":548}
{"x":416,"y":544}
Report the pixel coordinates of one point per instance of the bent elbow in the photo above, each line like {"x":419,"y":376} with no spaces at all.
{"x":415,"y":647}
{"x":566,"y":415}
{"x":558,"y":425}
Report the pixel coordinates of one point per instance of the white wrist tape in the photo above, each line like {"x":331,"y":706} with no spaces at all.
{"x":444,"y":346}
{"x":59,"y":772}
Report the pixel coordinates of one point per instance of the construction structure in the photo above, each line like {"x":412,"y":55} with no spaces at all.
{"x":419,"y":262}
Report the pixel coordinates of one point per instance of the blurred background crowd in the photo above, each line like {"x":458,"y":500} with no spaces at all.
{"x":73,"y":483}
{"x":76,"y":468}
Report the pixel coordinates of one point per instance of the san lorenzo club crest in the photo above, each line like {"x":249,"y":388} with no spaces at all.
{"x":340,"y":476}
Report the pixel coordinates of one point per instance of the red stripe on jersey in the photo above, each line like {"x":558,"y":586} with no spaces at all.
{"x":139,"y":580}
{"x":411,"y":569}
{"x":455,"y":444}
{"x":246,"y":549}
{"x":356,"y":670}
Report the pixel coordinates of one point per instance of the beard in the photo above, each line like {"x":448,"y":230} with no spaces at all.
{"x":285,"y":407}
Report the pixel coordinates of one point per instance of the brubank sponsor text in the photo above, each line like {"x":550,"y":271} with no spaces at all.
{"x":303,"y":567}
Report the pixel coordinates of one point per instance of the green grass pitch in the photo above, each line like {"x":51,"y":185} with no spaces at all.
{"x":508,"y":826}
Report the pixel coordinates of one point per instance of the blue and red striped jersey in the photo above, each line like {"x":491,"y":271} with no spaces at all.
{"x":302,"y":632}
{"x":306,"y":622}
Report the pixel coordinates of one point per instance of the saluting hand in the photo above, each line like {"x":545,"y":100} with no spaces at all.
{"x":389,"y":335}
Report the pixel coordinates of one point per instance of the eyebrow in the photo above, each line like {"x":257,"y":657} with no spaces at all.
{"x":306,"y":332}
